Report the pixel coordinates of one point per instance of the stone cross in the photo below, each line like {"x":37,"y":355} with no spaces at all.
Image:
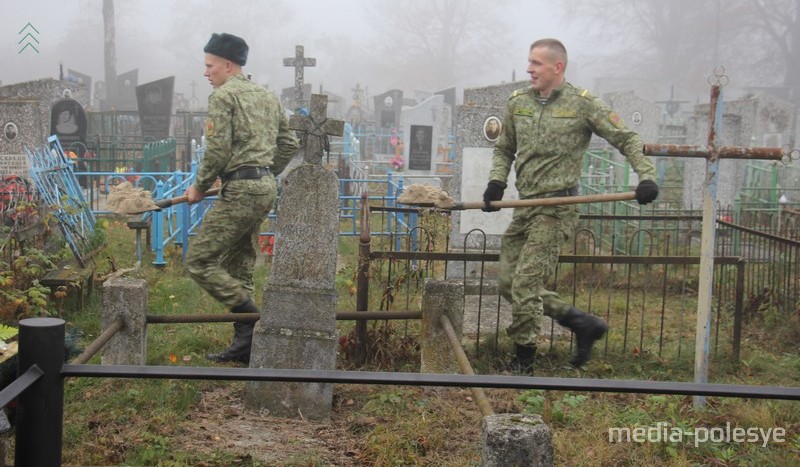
{"x":315,"y":128}
{"x":299,"y":62}
{"x":712,"y":153}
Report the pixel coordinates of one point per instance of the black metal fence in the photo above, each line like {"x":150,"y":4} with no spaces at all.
{"x":39,"y":388}
{"x":640,"y":272}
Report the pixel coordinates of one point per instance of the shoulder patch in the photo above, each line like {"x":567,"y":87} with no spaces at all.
{"x":616,"y":120}
{"x":209,"y":128}
{"x":519,"y":92}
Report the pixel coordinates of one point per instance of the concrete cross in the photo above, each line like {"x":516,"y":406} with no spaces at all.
{"x":314,"y":129}
{"x":712,"y":153}
{"x":299,"y":62}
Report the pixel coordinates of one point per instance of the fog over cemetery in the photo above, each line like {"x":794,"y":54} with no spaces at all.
{"x":382,"y":332}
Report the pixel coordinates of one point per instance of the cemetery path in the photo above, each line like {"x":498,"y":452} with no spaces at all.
{"x":221,"y":424}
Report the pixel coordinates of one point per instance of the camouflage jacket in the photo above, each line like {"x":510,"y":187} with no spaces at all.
{"x":545,"y":142}
{"x":246,"y":126}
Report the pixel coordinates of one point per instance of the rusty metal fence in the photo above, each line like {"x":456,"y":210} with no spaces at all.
{"x":639,"y":272}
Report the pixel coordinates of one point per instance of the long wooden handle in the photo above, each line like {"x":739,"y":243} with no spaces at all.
{"x":522,"y":203}
{"x":165,"y":203}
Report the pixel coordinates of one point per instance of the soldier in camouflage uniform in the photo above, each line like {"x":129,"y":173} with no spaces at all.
{"x":546,"y":130}
{"x":248,"y":143}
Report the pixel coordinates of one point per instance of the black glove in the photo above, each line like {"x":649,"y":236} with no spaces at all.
{"x":494,"y":192}
{"x":646,"y":192}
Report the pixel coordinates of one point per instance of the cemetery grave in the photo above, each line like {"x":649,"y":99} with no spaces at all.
{"x":297,"y":326}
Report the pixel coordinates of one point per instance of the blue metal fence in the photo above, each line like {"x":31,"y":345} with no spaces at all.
{"x":52,"y":172}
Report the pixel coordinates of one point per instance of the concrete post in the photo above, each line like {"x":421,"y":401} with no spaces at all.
{"x":440,"y":298}
{"x":126,"y":299}
{"x":514,"y":439}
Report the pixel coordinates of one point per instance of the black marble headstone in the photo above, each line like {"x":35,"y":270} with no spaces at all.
{"x":387,"y":108}
{"x":420,"y":147}
{"x":155,"y":107}
{"x":68,"y":122}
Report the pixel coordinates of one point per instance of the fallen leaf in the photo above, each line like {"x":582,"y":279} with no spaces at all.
{"x":173,"y":358}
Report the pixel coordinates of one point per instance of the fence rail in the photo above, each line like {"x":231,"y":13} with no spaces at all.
{"x":40,"y":426}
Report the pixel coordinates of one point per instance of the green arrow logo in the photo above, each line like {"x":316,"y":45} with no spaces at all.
{"x":29,"y":38}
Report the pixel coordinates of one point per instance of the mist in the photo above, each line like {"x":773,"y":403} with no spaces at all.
{"x":409,"y":44}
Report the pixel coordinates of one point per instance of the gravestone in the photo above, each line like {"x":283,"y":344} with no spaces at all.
{"x":387,"y":108}
{"x":155,"y":108}
{"x":68,"y":122}
{"x":450,"y":101}
{"x":297,"y":328}
{"x":25,"y":110}
{"x":125,"y":98}
{"x":639,"y":115}
{"x":425,"y":132}
{"x":473,"y":163}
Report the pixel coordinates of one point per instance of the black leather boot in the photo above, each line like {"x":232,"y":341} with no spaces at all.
{"x":587,"y":329}
{"x":522,"y":362}
{"x":239,"y":350}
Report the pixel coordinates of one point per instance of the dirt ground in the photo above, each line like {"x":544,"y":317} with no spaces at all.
{"x":221,"y":423}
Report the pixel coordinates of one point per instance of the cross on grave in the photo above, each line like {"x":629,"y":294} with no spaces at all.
{"x":672,"y":106}
{"x":315,"y":128}
{"x":712,"y":153}
{"x":299,"y":62}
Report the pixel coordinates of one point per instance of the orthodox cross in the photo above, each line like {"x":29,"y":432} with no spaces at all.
{"x":712,"y":153}
{"x":315,"y":128}
{"x":299,"y":62}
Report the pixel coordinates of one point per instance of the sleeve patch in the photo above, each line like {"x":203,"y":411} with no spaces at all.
{"x":616,"y":120}
{"x":209,"y":128}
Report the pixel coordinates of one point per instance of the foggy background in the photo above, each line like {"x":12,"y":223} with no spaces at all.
{"x":649,"y":46}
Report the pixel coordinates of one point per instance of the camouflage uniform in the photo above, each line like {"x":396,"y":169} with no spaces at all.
{"x":246,"y":127}
{"x":545,"y":141}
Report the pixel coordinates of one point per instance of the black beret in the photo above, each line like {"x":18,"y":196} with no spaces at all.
{"x":228,"y":46}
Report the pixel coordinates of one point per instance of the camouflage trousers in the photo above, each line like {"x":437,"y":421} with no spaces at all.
{"x":528,"y":257}
{"x":222,"y":256}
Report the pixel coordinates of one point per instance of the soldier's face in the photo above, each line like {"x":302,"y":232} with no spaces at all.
{"x":545,"y":70}
{"x":217,"y":70}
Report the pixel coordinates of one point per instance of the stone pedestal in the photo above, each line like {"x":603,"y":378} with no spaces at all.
{"x":514,"y":439}
{"x":126,"y":299}
{"x":298,"y":322}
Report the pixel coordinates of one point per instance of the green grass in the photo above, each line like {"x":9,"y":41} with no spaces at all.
{"x":161,"y":422}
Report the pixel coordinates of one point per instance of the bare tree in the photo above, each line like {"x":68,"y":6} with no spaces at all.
{"x":431,"y":44}
{"x":672,"y":42}
{"x":775,"y":25}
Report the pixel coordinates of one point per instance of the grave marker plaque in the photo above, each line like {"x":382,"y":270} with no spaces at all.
{"x":420,"y":150}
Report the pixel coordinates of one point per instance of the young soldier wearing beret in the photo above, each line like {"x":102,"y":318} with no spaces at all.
{"x":546,"y":130}
{"x":248,"y":144}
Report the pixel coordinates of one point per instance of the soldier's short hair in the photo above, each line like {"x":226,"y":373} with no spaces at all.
{"x":554,"y":46}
